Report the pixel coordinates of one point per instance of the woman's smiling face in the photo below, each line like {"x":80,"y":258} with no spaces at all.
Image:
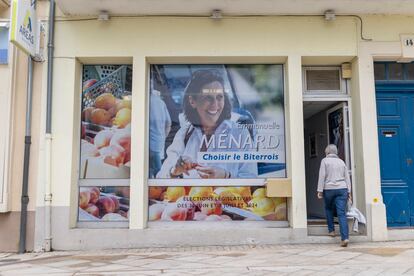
{"x":209,"y":103}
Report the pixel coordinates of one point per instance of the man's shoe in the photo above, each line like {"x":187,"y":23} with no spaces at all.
{"x":331,"y":234}
{"x":344,"y":243}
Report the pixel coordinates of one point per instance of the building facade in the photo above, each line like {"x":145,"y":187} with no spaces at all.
{"x":124,"y":139}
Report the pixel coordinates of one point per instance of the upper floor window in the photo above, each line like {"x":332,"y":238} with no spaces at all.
{"x":393,"y":71}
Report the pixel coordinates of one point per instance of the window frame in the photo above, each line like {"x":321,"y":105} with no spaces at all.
{"x":196,"y":182}
{"x":342,"y":82}
{"x":98,"y":182}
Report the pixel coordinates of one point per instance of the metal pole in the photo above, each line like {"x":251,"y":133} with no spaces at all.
{"x":50,"y":48}
{"x":48,"y":136}
{"x":26,"y":160}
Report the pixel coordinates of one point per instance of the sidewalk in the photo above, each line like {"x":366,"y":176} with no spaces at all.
{"x":384,"y":258}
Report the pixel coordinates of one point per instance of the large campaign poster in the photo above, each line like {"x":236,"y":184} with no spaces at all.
{"x":216,"y":121}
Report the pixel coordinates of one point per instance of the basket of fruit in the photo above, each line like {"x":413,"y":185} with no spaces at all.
{"x":113,"y":83}
{"x":106,"y":133}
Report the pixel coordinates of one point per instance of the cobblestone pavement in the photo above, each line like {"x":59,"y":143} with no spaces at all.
{"x":385,"y":258}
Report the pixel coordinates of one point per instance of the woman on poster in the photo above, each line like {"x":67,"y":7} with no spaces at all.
{"x":207,"y":108}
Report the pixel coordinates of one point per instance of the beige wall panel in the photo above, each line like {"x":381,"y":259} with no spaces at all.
{"x":387,"y":28}
{"x":205,"y":37}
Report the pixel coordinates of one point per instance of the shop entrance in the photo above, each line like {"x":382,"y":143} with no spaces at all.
{"x":325,"y":122}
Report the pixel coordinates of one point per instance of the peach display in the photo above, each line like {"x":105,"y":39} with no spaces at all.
{"x":214,"y":204}
{"x":103,"y":203}
{"x":105,"y":130}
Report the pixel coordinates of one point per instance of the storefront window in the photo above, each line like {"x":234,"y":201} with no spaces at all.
{"x":209,"y":123}
{"x":216,"y":121}
{"x":104,"y":203}
{"x":105,"y":148}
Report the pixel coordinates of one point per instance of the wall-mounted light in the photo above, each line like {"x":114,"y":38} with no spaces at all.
{"x":216,"y":15}
{"x":330,"y":15}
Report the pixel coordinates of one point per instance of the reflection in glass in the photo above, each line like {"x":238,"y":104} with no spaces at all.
{"x":395,"y":71}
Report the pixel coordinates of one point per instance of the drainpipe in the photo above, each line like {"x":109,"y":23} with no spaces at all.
{"x":26,"y":160}
{"x":48,"y":136}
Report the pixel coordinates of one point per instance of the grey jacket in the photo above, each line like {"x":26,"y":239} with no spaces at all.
{"x":333,"y":174}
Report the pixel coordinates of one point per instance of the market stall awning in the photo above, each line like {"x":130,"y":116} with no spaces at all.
{"x":233,"y":7}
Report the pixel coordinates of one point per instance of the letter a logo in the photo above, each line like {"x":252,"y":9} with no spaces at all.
{"x":27,"y":21}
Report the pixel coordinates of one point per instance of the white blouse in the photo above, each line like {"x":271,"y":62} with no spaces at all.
{"x":227,"y":128}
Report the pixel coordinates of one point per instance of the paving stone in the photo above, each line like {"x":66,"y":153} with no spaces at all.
{"x":385,"y":258}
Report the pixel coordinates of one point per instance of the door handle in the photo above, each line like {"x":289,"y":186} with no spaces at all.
{"x":409,"y":161}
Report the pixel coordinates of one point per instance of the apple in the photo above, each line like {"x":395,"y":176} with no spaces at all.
{"x":88,"y":83}
{"x":105,"y":101}
{"x":105,"y":205}
{"x":95,"y":193}
{"x":122,"y":118}
{"x":155,"y":193}
{"x":84,"y":197}
{"x":125,"y":103}
{"x":101,"y":116}
{"x":116,"y":202}
{"x":93,"y":210}
{"x":86,"y":114}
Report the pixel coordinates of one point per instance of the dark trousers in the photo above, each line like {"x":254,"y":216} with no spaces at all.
{"x":337,"y":199}
{"x":154,"y":163}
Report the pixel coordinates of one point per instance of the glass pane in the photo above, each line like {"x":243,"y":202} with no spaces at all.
{"x":109,"y":203}
{"x":214,"y":204}
{"x":379,"y":71}
{"x":106,"y":117}
{"x":216,"y":121}
{"x":4,"y":45}
{"x":323,"y":80}
{"x":410,"y":71}
{"x":395,"y":71}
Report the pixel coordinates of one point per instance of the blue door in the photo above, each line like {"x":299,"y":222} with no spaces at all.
{"x":395,"y":114}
